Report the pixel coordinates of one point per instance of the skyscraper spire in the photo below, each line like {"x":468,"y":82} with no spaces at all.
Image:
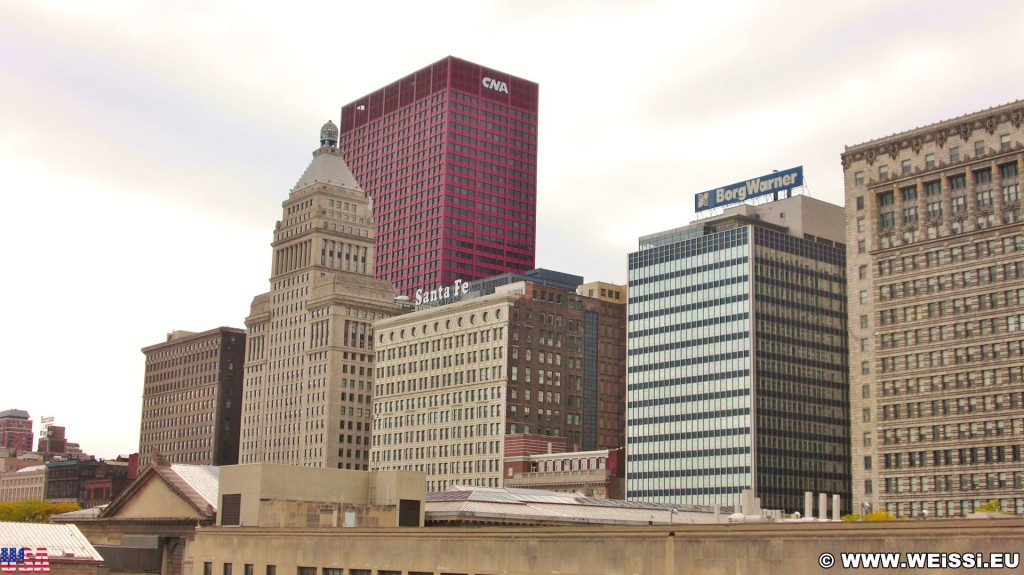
{"x":329,"y":135}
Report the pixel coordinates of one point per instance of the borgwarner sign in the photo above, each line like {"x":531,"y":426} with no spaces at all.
{"x":762,"y":186}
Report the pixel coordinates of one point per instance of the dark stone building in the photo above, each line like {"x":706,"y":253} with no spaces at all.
{"x":192,"y":397}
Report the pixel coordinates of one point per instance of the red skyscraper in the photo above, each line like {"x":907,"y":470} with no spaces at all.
{"x":449,"y":156}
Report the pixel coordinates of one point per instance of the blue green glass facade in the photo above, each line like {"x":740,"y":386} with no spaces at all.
{"x":736,"y":367}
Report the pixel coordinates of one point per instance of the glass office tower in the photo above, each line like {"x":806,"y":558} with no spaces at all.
{"x":737,"y":358}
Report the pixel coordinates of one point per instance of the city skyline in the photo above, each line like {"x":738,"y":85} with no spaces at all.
{"x":157,"y":141}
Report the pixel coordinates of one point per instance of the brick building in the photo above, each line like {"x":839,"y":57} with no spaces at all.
{"x":67,"y":480}
{"x":456,"y":381}
{"x":935,"y":240}
{"x":192,"y":397}
{"x":15,"y":430}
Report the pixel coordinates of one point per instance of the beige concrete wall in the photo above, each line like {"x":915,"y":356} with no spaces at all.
{"x":593,"y":289}
{"x":801,"y":214}
{"x":287,"y":486}
{"x":791,"y":549}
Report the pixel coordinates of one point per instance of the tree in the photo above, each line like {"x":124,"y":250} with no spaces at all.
{"x":877,"y":515}
{"x":993,"y":506}
{"x":33,"y":510}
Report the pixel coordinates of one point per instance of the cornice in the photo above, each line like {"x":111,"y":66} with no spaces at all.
{"x":940,"y":133}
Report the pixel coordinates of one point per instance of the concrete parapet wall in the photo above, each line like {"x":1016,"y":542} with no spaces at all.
{"x":789,"y":548}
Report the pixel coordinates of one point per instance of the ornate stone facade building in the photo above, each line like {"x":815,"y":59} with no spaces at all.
{"x":935,"y":242}
{"x":309,"y":350}
{"x":456,"y":380}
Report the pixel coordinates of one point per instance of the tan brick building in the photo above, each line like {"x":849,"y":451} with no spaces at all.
{"x":191,"y":399}
{"x":935,"y":243}
{"x":604,"y":291}
{"x":309,"y":356}
{"x":454,"y":380}
{"x":26,"y":483}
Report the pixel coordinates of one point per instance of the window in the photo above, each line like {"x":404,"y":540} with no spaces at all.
{"x":905,"y":167}
{"x":984,"y":198}
{"x":864,"y":320}
{"x":230,"y":509}
{"x":227,"y":568}
{"x":934,"y":210}
{"x":867,"y":487}
{"x":910,"y":215}
{"x":908,"y":193}
{"x":247,"y":569}
{"x":1012,"y":216}
{"x":929,"y":161}
{"x":861,"y":246}
{"x":979,"y":148}
{"x":330,"y":571}
{"x":886,"y":198}
{"x":866,"y":417}
{"x":1004,"y":142}
{"x":862,"y":272}
{"x":858,"y":178}
{"x":1008,"y":170}
{"x":959,"y":204}
{"x":860,"y":225}
{"x":886,"y":220}
{"x":883,"y":172}
{"x":307,"y":571}
{"x":207,"y":568}
{"x":932,"y":188}
{"x":865,"y":369}
{"x":271,"y":570}
{"x":983,"y":176}
{"x":1011,"y":193}
{"x":867,"y":462}
{"x":865,"y":391}
{"x":863,"y":296}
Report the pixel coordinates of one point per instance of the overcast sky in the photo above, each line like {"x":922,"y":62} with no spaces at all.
{"x":146,"y":147}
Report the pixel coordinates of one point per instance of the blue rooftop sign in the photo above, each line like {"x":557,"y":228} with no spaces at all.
{"x":762,"y":186}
